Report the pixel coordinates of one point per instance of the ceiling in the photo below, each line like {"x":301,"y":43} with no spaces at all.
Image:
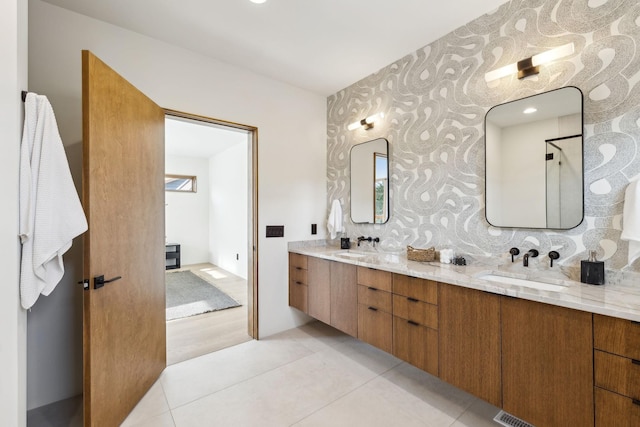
{"x":322,"y":46}
{"x":187,"y":138}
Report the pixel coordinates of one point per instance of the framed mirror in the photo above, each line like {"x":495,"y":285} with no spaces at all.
{"x":370,"y":182}
{"x":534,"y":161}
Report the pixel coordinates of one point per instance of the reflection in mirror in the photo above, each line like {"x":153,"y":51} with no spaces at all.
{"x":533,"y":151}
{"x":370,"y":182}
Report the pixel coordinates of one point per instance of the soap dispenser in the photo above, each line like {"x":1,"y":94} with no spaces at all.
{"x":592,"y":270}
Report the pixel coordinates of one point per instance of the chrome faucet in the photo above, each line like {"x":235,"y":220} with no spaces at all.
{"x":532,"y":253}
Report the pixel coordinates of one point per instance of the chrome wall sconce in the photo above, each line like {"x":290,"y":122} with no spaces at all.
{"x":367,"y":122}
{"x":530,"y":66}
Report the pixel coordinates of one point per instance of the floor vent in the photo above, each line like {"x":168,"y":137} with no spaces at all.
{"x":508,"y":420}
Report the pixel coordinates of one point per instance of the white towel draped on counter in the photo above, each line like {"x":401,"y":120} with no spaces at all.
{"x":50,"y":211}
{"x":631,"y":219}
{"x":334,"y":222}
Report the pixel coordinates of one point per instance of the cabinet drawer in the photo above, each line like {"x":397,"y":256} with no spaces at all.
{"x":618,"y":336}
{"x":298,"y":275}
{"x":375,"y":327}
{"x":615,"y":410}
{"x":374,"y":298}
{"x":298,"y":296}
{"x":375,"y":278}
{"x":420,"y":289}
{"x":617,"y":373}
{"x":297,"y":260}
{"x":415,"y":344}
{"x":410,"y":308}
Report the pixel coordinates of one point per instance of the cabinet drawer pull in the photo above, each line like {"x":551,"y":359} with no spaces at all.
{"x":635,"y":402}
{"x":371,"y":288}
{"x":299,"y":268}
{"x":411,"y":299}
{"x":299,"y":283}
{"x":411,"y":322}
{"x":373,"y":309}
{"x":635,"y":362}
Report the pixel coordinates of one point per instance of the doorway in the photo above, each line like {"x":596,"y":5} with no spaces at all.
{"x":211,"y":225}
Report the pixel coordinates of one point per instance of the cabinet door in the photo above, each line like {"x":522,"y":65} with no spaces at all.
{"x":319,"y":279}
{"x":469,"y":330}
{"x":344,"y":298}
{"x":298,"y":282}
{"x":415,"y":344}
{"x":374,"y":327}
{"x":547,"y":363}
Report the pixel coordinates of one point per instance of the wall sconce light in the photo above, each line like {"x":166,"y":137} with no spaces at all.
{"x":530,"y":66}
{"x":367,"y":122}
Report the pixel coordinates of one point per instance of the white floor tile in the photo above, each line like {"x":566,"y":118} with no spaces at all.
{"x":480,"y":414}
{"x":163,"y":420}
{"x":152,"y":404}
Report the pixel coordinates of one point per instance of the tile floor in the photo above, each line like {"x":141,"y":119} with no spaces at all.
{"x":308,"y":376}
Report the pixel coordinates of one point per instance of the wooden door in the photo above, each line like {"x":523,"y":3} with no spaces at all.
{"x":123,"y":197}
{"x":469,"y":332}
{"x":547,"y":363}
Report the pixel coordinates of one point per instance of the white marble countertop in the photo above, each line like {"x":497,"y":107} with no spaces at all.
{"x":618,"y":299}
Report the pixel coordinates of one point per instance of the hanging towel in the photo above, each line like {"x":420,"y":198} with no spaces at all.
{"x":334,"y":222}
{"x":50,"y":211}
{"x":631,"y":219}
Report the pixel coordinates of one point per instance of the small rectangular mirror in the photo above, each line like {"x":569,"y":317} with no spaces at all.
{"x":183,"y":183}
{"x":534,"y":161}
{"x":370,"y":182}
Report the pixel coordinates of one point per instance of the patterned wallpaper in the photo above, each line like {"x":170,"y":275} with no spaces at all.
{"x":435,"y":99}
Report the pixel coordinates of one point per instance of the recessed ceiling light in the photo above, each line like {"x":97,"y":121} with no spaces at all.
{"x":530,"y":110}
{"x":258,"y":1}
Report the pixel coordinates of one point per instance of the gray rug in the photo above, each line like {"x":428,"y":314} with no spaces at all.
{"x":189,"y":295}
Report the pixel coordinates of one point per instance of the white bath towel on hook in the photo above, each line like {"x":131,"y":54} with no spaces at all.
{"x":631,"y":219}
{"x":50,"y":211}
{"x":334,"y":222}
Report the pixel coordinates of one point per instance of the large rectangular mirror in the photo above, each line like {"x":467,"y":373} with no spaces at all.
{"x":534,"y":163}
{"x":370,"y":182}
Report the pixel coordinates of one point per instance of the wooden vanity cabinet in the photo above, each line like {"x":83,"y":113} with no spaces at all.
{"x":374,"y":308}
{"x":617,"y":371}
{"x":319,"y":273}
{"x":344,"y":298}
{"x":415,"y":322}
{"x":470,"y":342}
{"x":298,"y":285}
{"x":547,"y":363}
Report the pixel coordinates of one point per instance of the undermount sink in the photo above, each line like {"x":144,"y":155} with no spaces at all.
{"x":351,"y":254}
{"x":493,"y":277}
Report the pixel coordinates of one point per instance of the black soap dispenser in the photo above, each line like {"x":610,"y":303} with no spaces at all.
{"x":591,"y":270}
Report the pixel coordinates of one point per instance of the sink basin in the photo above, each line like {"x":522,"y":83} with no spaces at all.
{"x":350,"y":254}
{"x":493,"y":277}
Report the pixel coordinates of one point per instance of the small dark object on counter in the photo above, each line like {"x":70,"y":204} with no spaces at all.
{"x":591,"y":270}
{"x":345,"y":243}
{"x":459,"y":261}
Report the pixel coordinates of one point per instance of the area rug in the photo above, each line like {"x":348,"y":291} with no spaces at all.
{"x":189,"y":295}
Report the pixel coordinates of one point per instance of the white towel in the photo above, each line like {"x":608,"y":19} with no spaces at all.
{"x":631,"y":219}
{"x":50,"y":211}
{"x":334,"y":222}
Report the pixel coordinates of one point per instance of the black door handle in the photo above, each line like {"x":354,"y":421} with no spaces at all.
{"x":99,"y":281}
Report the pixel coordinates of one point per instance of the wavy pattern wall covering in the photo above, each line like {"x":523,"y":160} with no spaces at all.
{"x":435,"y":100}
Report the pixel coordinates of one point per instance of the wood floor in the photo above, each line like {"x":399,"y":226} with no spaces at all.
{"x":198,"y":335}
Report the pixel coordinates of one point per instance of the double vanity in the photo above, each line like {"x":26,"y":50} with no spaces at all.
{"x":551,"y":351}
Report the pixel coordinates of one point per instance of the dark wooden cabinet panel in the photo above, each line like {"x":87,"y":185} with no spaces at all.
{"x":375,"y":327}
{"x":420,"y":289}
{"x":377,"y":279}
{"x":344,"y":298}
{"x":618,"y":336}
{"x":412,"y":309}
{"x":416,"y":344}
{"x":319,"y":279}
{"x":469,"y":329}
{"x":547,"y":363}
{"x":614,"y":410}
{"x":617,"y":373}
{"x":298,"y":289}
{"x":375,"y":298}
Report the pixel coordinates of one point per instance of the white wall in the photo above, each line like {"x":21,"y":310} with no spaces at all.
{"x":13,"y":79}
{"x":187,"y":214}
{"x":229,"y":209}
{"x":291,"y":123}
